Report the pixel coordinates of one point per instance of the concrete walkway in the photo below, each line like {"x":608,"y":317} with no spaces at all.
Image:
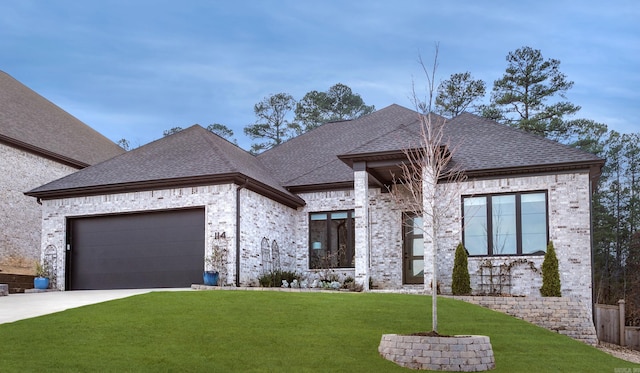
{"x":16,"y":307}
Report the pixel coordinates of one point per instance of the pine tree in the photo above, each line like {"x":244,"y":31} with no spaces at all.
{"x":550,"y":274}
{"x":461,"y":282}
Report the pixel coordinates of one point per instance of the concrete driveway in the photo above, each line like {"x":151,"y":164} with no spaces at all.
{"x":16,"y":307}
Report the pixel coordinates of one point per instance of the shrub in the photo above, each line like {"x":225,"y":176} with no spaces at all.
{"x":461,"y":282}
{"x":351,"y":285}
{"x":550,"y":274}
{"x":274,"y":278}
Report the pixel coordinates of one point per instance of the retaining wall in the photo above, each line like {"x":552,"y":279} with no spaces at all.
{"x":563,"y":315}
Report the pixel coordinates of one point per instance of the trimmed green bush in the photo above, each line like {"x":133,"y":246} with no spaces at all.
{"x":461,"y":282}
{"x":550,"y":274}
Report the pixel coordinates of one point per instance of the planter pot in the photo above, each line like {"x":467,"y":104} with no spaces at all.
{"x":211,"y":278}
{"x":41,"y":283}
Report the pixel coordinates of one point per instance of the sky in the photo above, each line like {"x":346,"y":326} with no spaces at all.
{"x":132,"y":69}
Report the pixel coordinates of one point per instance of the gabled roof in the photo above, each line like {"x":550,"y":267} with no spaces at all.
{"x":31,"y":122}
{"x":193,"y":156}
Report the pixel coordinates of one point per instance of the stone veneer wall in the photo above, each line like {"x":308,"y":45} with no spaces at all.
{"x":20,"y":215}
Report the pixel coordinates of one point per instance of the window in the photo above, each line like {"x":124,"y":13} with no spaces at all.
{"x":505,"y":224}
{"x":331,"y":240}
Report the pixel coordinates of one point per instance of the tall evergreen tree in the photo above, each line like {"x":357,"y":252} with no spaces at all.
{"x":272,"y":124}
{"x":338,"y":103}
{"x":458,"y":93}
{"x":523,"y":96}
{"x":550,"y":274}
{"x":460,"y":279}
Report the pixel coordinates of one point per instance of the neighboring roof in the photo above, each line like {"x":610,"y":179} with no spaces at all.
{"x":193,"y":156}
{"x":483,"y":147}
{"x":31,"y":122}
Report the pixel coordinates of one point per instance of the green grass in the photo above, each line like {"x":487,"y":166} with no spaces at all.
{"x":246,"y":331}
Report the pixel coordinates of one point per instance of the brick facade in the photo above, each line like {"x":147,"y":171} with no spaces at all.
{"x":264,"y":222}
{"x":21,"y":216}
{"x":218,"y":201}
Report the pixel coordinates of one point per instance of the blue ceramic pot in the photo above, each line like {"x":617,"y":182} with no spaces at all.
{"x":41,"y":283}
{"x":211,"y":278}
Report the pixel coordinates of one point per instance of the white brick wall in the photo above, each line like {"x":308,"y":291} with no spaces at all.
{"x":20,"y":215}
{"x":264,"y":218}
{"x":261,"y":218}
{"x":218,"y":201}
{"x":569,"y":229}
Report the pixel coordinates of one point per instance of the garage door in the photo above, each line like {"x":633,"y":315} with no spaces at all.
{"x":151,"y":250}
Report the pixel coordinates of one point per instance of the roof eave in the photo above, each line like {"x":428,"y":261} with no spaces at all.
{"x":320,"y":187}
{"x":592,"y":166}
{"x":43,"y":152}
{"x":289,"y":200}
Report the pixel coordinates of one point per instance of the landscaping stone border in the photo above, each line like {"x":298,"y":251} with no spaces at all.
{"x":468,"y":353}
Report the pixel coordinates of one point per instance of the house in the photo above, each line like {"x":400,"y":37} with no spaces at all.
{"x":39,"y":143}
{"x":319,"y":203}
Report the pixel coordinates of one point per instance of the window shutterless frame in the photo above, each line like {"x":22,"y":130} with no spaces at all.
{"x":524,"y":220}
{"x":331,"y":239}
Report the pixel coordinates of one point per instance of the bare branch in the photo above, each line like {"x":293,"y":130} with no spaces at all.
{"x":430,"y":182}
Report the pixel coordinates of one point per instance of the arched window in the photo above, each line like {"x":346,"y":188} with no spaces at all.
{"x":265,"y":254}
{"x":275,"y":255}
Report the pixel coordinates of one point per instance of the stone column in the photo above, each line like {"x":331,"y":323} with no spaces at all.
{"x":361,"y":196}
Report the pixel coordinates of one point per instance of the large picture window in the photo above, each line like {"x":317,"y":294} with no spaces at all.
{"x":505,"y":224}
{"x":331,"y":240}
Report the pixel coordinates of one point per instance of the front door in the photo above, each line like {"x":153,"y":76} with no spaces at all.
{"x":413,"y":250}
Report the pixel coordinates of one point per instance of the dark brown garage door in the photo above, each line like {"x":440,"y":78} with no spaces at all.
{"x":151,"y":250}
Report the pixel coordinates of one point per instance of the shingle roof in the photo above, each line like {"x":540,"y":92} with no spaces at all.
{"x":30,"y":121}
{"x":312,"y":158}
{"x":196,"y":156}
{"x":482,"y":146}
{"x":190,"y":157}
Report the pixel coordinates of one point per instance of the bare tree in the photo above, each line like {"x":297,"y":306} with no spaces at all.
{"x":429,"y":181}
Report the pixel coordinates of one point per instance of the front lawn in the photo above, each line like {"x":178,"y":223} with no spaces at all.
{"x":253,"y":331}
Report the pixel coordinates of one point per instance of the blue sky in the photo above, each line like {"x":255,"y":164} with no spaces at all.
{"x":131,"y":69}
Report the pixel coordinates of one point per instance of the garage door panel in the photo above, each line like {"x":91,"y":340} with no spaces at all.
{"x":160,"y":249}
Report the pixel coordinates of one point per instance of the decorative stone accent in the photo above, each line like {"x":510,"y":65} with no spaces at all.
{"x":4,"y":289}
{"x":469,"y":353}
